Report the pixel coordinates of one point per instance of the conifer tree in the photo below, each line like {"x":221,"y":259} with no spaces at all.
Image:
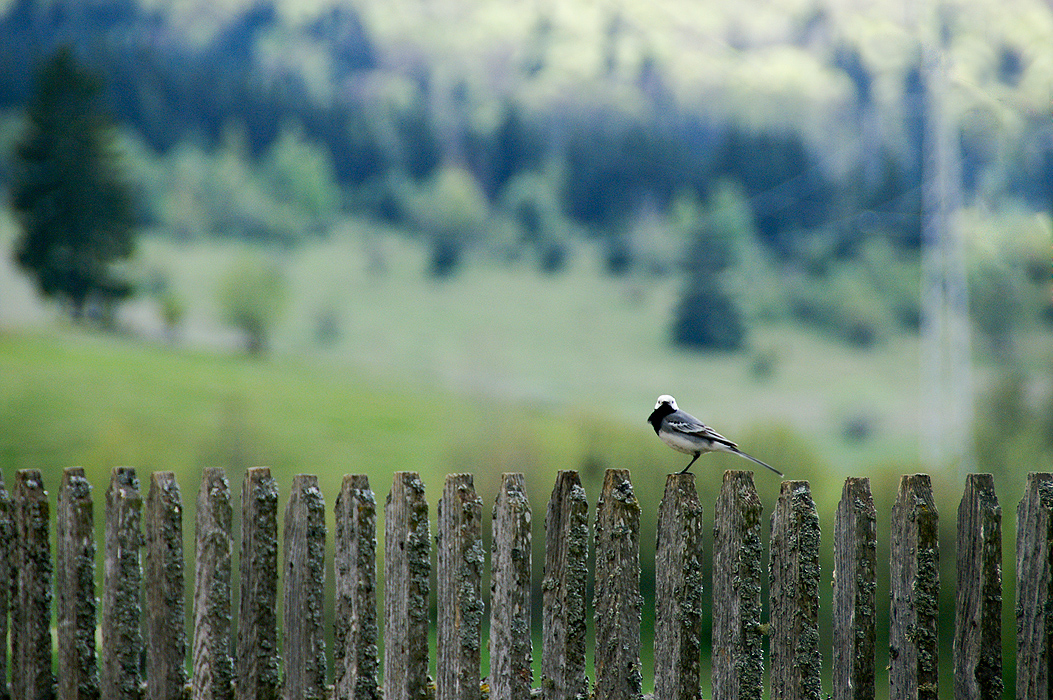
{"x":68,"y":193}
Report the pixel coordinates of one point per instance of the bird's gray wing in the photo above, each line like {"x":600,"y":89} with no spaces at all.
{"x":692,"y":426}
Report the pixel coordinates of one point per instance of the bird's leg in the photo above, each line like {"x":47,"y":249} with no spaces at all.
{"x":697,"y":454}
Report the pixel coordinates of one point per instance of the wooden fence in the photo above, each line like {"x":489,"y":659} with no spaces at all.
{"x":144,"y":643}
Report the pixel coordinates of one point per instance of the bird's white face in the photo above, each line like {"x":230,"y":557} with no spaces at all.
{"x":666,"y":398}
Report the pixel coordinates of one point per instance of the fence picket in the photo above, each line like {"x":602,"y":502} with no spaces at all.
{"x":618,"y":601}
{"x":855,"y":584}
{"x":257,"y":669}
{"x":7,"y":572}
{"x":794,"y":633}
{"x":407,"y":566}
{"x":78,"y":673}
{"x":978,"y":605}
{"x":304,"y":599}
{"x":213,"y":670}
{"x":511,"y":675}
{"x":738,"y":663}
{"x":915,"y":567}
{"x":355,"y":567}
{"x":165,"y":608}
{"x":563,"y":591}
{"x":1034,"y":588}
{"x":31,"y":674}
{"x":120,"y":677}
{"x":459,"y":590}
{"x":678,"y":591}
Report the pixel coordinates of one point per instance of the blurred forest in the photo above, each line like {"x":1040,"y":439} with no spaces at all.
{"x":515,"y":129}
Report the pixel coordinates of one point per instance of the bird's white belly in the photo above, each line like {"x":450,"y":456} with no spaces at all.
{"x":684,"y":443}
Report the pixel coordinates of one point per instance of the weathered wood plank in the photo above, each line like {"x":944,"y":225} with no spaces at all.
{"x":678,"y":591}
{"x":258,"y":676}
{"x":618,"y":600}
{"x":915,"y":570}
{"x":213,"y":668}
{"x":511,"y":675}
{"x":78,"y":672}
{"x":407,"y":566}
{"x":304,"y":600}
{"x":355,"y":657}
{"x":165,"y":605}
{"x":31,"y":674}
{"x":7,"y":573}
{"x":459,"y":601}
{"x":794,"y":573}
{"x":855,"y":584}
{"x":563,"y":591}
{"x":978,"y":606}
{"x":738,"y":661}
{"x":122,"y":642}
{"x":1034,"y":589}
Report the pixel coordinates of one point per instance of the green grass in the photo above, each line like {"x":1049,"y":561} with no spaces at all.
{"x":580,"y":342}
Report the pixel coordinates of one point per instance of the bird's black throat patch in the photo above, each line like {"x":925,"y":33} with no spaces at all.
{"x":655,"y":419}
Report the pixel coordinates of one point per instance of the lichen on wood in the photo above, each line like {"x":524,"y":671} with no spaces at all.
{"x":678,"y":591}
{"x":165,"y":605}
{"x":618,"y":600}
{"x":855,"y":577}
{"x":304,"y":599}
{"x":78,"y":674}
{"x":407,"y":568}
{"x":915,"y":570}
{"x":213,"y":668}
{"x":355,"y":658}
{"x":794,"y":575}
{"x":511,"y":674}
{"x":738,"y":655}
{"x":564,"y":591}
{"x":120,"y":677}
{"x":459,"y":595}
{"x":257,"y":668}
{"x":1034,"y":580}
{"x":31,"y":671}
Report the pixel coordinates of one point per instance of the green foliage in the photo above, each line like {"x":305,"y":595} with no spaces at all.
{"x":69,"y":193}
{"x":452,"y":211}
{"x":1014,"y":425}
{"x":708,"y":315}
{"x":722,"y":231}
{"x":1008,"y":272}
{"x":302,"y":174}
{"x":707,"y":319}
{"x":862,"y":300}
{"x":252,"y":296}
{"x":288,"y":195}
{"x":841,"y":304}
{"x":531,"y":201}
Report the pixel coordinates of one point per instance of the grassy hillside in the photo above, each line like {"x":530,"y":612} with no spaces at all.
{"x":582,"y":341}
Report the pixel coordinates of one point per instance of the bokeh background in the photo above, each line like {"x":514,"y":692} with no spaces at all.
{"x":484,"y":235}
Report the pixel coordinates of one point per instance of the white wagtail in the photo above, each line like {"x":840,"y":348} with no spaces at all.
{"x":685,"y":433}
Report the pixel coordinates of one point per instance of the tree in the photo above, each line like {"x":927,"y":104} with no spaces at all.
{"x":68,"y":191}
{"x":707,"y":317}
{"x":251,"y":297}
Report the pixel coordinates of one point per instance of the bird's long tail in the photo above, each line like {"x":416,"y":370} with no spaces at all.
{"x":740,"y":453}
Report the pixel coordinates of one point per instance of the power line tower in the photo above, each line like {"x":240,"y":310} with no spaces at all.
{"x":946,"y":358}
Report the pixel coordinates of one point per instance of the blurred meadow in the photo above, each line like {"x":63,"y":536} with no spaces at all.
{"x":483,"y":236}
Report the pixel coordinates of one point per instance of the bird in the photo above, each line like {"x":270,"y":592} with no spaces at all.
{"x":685,"y":433}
